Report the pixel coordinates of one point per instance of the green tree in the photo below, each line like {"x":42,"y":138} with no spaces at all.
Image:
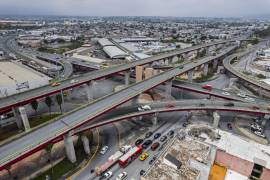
{"x":48,"y":149}
{"x":34,"y":105}
{"x":59,"y":101}
{"x":48,"y":102}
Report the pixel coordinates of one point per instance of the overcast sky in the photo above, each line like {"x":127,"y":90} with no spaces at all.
{"x":220,"y":8}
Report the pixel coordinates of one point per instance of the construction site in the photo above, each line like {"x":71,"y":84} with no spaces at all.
{"x":201,"y":152}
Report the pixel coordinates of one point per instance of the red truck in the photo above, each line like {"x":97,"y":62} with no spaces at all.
{"x":207,"y":86}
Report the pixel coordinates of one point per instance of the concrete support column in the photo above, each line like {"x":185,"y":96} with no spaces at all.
{"x":190,"y":75}
{"x":86,"y":146}
{"x":17,"y":117}
{"x":24,"y":119}
{"x":205,"y":69}
{"x":215,"y":64}
{"x":155,"y":119}
{"x":127,"y":76}
{"x":168,"y":89}
{"x":89,"y":91}
{"x":69,"y":147}
{"x":166,"y":61}
{"x":216,"y":117}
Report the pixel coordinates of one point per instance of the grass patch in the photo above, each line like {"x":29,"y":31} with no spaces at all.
{"x":37,"y":120}
{"x":9,"y":131}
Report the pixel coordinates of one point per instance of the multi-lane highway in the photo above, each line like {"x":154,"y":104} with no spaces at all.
{"x":25,"y":97}
{"x":36,"y":139}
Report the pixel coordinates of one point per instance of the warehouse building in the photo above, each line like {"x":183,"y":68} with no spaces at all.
{"x":114,"y":52}
{"x":12,"y":81}
{"x":105,"y":42}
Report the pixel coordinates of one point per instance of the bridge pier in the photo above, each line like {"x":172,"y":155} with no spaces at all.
{"x":215,"y":64}
{"x":155,"y":119}
{"x":166,"y":61}
{"x":205,"y":69}
{"x":190,"y":75}
{"x":24,"y":118}
{"x":168,"y":89}
{"x":18,"y":119}
{"x":69,"y":147}
{"x":86,"y":146}
{"x":127,"y":76}
{"x":216,"y":117}
{"x":89,"y":91}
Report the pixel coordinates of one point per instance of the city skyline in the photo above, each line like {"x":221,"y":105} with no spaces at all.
{"x":176,"y":8}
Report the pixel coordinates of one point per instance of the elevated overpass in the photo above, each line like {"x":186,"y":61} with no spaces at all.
{"x":227,"y":65}
{"x":38,"y":138}
{"x":7,"y":103}
{"x":178,"y":105}
{"x":194,"y":87}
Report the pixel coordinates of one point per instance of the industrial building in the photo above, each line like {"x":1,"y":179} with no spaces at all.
{"x":114,"y":52}
{"x":12,"y":81}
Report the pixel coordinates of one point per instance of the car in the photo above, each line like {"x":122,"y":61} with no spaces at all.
{"x":104,"y":149}
{"x":207,"y":87}
{"x":260,"y":134}
{"x":170,"y":133}
{"x":122,"y":176}
{"x":92,"y":171}
{"x":226,"y":93}
{"x":142,"y":172}
{"x":107,"y":175}
{"x":229,"y":104}
{"x":149,"y":134}
{"x":151,"y":161}
{"x":74,"y":81}
{"x":255,"y":107}
{"x":138,"y":142}
{"x":55,"y":84}
{"x":163,"y":138}
{"x":154,"y":146}
{"x":157,"y":135}
{"x":202,"y":104}
{"x":229,"y":126}
{"x":255,"y":127}
{"x":144,"y":156}
{"x":242,"y":95}
{"x":146,"y":144}
{"x":144,"y":108}
{"x":250,"y":99}
{"x":181,"y":67}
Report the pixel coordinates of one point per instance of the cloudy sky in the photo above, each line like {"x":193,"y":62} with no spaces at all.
{"x":221,"y":8}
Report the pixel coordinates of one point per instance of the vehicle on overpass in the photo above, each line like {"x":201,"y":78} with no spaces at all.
{"x":207,"y":87}
{"x":132,"y":154}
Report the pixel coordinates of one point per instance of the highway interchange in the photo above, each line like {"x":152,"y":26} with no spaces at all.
{"x":25,"y":145}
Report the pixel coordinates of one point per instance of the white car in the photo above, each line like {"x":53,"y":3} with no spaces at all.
{"x":226,"y":93}
{"x":107,"y":175}
{"x":241,"y":95}
{"x":250,"y":99}
{"x":122,"y":176}
{"x":104,"y":149}
{"x":259,"y":133}
{"x":74,"y":81}
{"x":144,"y":108}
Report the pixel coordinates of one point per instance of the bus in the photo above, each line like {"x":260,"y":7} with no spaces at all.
{"x":132,"y":154}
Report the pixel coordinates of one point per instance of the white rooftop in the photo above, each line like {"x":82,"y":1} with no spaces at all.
{"x":114,"y":52}
{"x":243,"y":148}
{"x":11,"y":73}
{"x":105,"y":42}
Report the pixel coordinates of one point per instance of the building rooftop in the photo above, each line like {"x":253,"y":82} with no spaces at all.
{"x":11,"y":73}
{"x":105,"y":42}
{"x":114,"y":52}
